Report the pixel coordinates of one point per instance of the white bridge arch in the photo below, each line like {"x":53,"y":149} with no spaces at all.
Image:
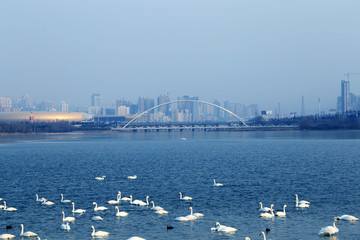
{"x":177,"y":101}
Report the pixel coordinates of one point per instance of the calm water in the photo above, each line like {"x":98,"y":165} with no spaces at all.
{"x":321,"y":167}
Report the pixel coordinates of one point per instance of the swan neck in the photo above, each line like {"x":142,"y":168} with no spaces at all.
{"x":62,"y":198}
{"x":22,"y":229}
{"x":153,"y":204}
{"x":73,"y":207}
{"x":191,"y":211}
{"x":117,"y":209}
{"x":93,"y":232}
{"x":180,"y":195}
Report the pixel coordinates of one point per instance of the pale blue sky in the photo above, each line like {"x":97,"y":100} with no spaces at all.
{"x":253,"y":51}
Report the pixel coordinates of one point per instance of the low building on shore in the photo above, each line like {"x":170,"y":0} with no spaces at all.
{"x":44,"y":116}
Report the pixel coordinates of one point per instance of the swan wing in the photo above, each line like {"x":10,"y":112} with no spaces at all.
{"x":183,"y":219}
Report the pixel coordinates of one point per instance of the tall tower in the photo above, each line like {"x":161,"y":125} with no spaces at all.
{"x":345,"y":96}
{"x":302,"y":106}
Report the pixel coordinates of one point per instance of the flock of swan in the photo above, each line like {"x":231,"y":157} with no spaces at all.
{"x":265,"y":212}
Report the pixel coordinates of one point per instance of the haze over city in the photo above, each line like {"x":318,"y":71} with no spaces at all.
{"x":250,"y":52}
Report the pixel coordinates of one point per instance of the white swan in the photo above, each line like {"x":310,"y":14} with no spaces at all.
{"x":124,"y":198}
{"x":101,"y":208}
{"x":267,"y":215}
{"x":98,"y":233}
{"x":100,"y":178}
{"x":77,"y":210}
{"x":265,"y":209}
{"x":62,"y":199}
{"x":67,"y":219}
{"x":117,"y":201}
{"x":26,"y":234}
{"x":282,"y":213}
{"x":247,"y":238}
{"x":195,"y":214}
{"x":40,"y":199}
{"x":120,"y":214}
{"x":9,"y":209}
{"x":221,"y":228}
{"x":162,"y":212}
{"x":186,"y":198}
{"x":329,"y":230}
{"x":182,"y":219}
{"x":139,"y":202}
{"x":347,"y":218}
{"x":7,"y":236}
{"x":156,"y":208}
{"x":302,"y":203}
{"x":47,"y":203}
{"x":191,"y":216}
{"x":262,"y":233}
{"x":65,"y":226}
{"x":97,"y":218}
{"x":217,"y":184}
{"x":136,"y":238}
{"x":132,"y":177}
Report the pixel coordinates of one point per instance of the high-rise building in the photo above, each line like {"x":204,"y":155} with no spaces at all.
{"x":190,"y":109}
{"x":5,"y":104}
{"x":64,"y":107}
{"x":345,"y":96}
{"x":161,"y":100}
{"x":96,"y":104}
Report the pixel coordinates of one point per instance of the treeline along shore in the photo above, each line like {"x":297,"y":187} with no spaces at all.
{"x":328,"y":122}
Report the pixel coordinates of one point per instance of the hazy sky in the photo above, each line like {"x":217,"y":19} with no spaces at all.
{"x":246,"y":51}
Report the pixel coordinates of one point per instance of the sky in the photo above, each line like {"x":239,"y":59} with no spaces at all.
{"x":245,"y":51}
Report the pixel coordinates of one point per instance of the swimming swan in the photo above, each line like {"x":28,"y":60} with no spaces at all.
{"x":115,"y":201}
{"x":7,"y":236}
{"x":132,"y":177}
{"x":120,"y":214}
{"x":98,"y":233}
{"x":65,"y":226}
{"x":162,"y":212}
{"x":136,"y":238}
{"x":267,"y":215}
{"x":186,"y":198}
{"x":100,"y":178}
{"x":62,"y":199}
{"x":156,"y":208}
{"x":265,"y":209}
{"x":139,"y":202}
{"x":347,"y":218}
{"x":195,"y":214}
{"x":77,"y":210}
{"x":9,"y":209}
{"x":282,"y":213}
{"x":329,"y":230}
{"x":302,"y":203}
{"x":124,"y":198}
{"x":221,"y":228}
{"x":97,"y":218}
{"x":26,"y":234}
{"x":67,"y":219}
{"x":217,"y":184}
{"x":101,"y":208}
{"x":48,"y":203}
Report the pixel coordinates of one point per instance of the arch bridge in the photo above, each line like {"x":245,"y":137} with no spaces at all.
{"x":178,"y":101}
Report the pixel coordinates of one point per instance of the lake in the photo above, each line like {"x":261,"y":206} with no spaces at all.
{"x":322,"y":167}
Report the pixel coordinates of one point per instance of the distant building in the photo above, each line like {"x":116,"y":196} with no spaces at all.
{"x":161,"y":100}
{"x":44,"y":116}
{"x":64,"y":107}
{"x":96,"y":104}
{"x":345,"y":96}
{"x":5,"y":104}
{"x":123,"y":111}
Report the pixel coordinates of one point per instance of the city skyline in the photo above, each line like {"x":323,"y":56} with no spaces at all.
{"x":347,"y":101}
